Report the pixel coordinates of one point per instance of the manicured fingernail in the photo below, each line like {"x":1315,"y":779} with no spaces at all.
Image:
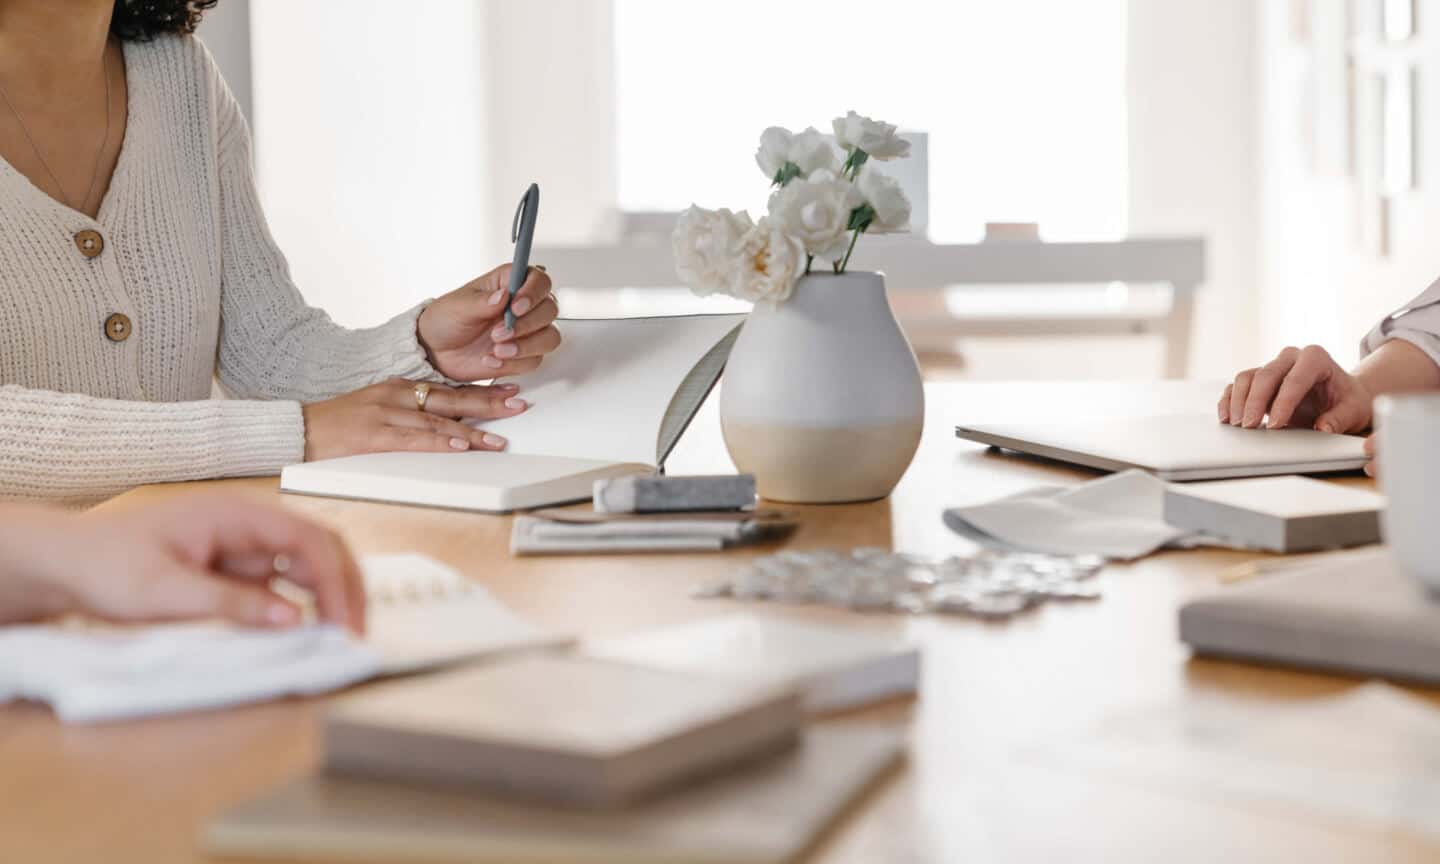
{"x":491,"y":362}
{"x":459,"y":444}
{"x":507,"y":349}
{"x":280,"y":614}
{"x":1326,"y":428}
{"x":501,"y":332}
{"x":494,"y":440}
{"x":498,"y":296}
{"x":521,"y":306}
{"x":516,"y":403}
{"x":513,"y":388}
{"x":1370,"y":469}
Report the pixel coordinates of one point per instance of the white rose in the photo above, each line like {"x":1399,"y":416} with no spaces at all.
{"x":707,"y":245}
{"x":816,"y":211}
{"x":772,"y":263}
{"x":884,"y":195}
{"x":808,"y":151}
{"x":811,"y":152}
{"x":877,"y":139}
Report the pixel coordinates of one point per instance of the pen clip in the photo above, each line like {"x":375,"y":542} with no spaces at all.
{"x":519,"y":212}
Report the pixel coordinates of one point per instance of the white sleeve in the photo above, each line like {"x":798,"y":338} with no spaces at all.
{"x":1421,"y":329}
{"x":72,"y":449}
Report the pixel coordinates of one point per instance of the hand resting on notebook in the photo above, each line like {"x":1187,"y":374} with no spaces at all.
{"x":385,"y":417}
{"x":201,"y":556}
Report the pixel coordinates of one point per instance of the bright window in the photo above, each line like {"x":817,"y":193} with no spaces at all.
{"x":1024,"y":101}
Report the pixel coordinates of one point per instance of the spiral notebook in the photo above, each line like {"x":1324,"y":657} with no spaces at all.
{"x":611,"y":401}
{"x":423,"y":615}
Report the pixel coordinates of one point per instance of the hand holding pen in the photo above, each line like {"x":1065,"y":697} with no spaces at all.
{"x":501,"y":324}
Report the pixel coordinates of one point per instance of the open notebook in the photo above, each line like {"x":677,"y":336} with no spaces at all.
{"x":612,"y":400}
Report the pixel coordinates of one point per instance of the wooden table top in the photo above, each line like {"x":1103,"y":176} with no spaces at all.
{"x":140,"y":792}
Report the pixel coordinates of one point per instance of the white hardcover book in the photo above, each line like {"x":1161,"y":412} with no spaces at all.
{"x":1280,"y":514}
{"x":611,"y":401}
{"x":834,"y":667}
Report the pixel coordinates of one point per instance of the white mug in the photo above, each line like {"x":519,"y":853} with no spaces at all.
{"x":1408,"y":426}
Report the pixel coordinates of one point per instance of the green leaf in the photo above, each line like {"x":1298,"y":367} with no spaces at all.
{"x":789,"y":171}
{"x":857,"y":159}
{"x":860,"y":218}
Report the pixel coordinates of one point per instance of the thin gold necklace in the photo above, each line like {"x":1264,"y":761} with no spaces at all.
{"x":99,"y":154}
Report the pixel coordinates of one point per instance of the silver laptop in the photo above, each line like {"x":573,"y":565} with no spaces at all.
{"x":1176,"y":447}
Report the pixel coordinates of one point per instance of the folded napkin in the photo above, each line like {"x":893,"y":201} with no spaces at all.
{"x":1119,"y":516}
{"x":88,"y":675}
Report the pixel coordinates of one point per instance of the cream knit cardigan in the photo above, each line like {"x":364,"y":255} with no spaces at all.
{"x":188,"y":258}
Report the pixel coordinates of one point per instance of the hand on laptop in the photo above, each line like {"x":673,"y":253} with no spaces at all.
{"x":1301,"y":388}
{"x":464,"y":331}
{"x":197,"y":556}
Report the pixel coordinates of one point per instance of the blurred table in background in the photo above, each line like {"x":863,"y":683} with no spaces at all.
{"x":944,"y":292}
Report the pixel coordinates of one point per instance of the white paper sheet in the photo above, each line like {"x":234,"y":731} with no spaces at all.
{"x":602,"y":395}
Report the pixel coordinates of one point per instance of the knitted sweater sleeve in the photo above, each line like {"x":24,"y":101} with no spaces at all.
{"x":272,"y":345}
{"x":75,"y":449}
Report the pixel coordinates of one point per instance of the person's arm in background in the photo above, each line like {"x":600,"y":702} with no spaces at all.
{"x":201,"y":556}
{"x":1307,"y":388}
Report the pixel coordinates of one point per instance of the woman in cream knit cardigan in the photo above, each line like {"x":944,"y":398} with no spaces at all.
{"x":136,"y":267}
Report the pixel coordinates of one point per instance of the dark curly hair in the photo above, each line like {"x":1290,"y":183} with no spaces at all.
{"x":143,"y":20}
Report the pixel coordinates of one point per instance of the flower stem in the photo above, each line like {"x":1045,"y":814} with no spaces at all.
{"x":845,"y":262}
{"x":809,"y":259}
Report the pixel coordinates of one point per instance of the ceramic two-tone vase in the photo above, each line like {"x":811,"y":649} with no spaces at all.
{"x":822,"y":399}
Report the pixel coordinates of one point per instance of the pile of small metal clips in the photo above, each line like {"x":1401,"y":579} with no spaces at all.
{"x":986,"y":584}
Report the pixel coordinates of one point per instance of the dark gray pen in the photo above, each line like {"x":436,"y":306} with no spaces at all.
{"x":522,"y":233}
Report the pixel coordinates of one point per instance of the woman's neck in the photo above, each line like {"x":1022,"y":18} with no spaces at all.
{"x":53,"y":44}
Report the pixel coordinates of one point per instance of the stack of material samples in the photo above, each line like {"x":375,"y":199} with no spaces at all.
{"x":562,"y":532}
{"x":566,"y":758}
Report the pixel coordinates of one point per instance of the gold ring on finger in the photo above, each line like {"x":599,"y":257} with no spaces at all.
{"x":422,"y":395}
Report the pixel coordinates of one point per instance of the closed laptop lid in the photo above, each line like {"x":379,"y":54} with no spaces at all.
{"x":1177,"y":446}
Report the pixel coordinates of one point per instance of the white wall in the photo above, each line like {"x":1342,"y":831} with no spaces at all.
{"x":550,"y":75}
{"x":372,"y":148}
{"x":225,"y":30}
{"x":1193,"y":170}
{"x":394,"y":140}
{"x":1321,"y":284}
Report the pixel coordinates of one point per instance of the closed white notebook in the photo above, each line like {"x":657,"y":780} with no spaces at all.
{"x":834,"y":667}
{"x":611,"y":401}
{"x":1281,"y":514}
